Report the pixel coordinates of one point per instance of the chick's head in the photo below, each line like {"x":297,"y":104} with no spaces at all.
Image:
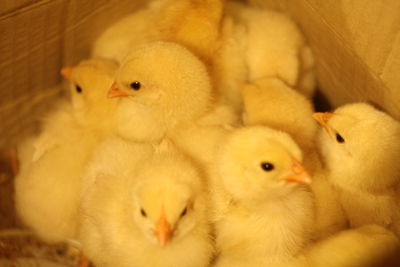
{"x":257,"y":163}
{"x":166,"y":77}
{"x":360,"y":145}
{"x":89,"y":82}
{"x":168,"y":202}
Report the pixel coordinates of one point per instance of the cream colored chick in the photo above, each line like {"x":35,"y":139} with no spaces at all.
{"x":360,"y":147}
{"x":271,"y":102}
{"x":264,"y":209}
{"x":196,"y":24}
{"x":258,"y":43}
{"x":90,"y":109}
{"x":47,"y":190}
{"x":368,"y":245}
{"x":151,"y":215}
{"x":192,"y":23}
{"x":118,"y":39}
{"x":161,"y":86}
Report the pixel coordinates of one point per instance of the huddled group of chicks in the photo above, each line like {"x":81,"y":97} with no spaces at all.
{"x":190,"y":140}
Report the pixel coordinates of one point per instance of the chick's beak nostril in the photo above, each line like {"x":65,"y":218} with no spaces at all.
{"x":115,"y":91}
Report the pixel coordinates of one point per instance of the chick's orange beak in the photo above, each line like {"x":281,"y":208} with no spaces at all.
{"x":163,"y":230}
{"x":323,"y":118}
{"x":66,"y":73}
{"x":300,"y":175}
{"x":115,"y":91}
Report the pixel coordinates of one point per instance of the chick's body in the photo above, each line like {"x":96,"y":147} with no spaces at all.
{"x":262,"y":215}
{"x":258,"y":43}
{"x":271,"y":102}
{"x":150,"y":213}
{"x":48,"y":186}
{"x":192,"y":23}
{"x":360,"y":148}
{"x":118,"y":39}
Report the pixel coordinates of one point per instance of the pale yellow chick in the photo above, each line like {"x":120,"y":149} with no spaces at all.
{"x":47,"y":190}
{"x":195,"y":24}
{"x":192,"y":23}
{"x":165,"y":91}
{"x":264,"y":210}
{"x":161,"y":86}
{"x":258,"y":43}
{"x":149,"y":213}
{"x":368,"y":245}
{"x":118,"y":39}
{"x":271,"y":102}
{"x":360,"y":147}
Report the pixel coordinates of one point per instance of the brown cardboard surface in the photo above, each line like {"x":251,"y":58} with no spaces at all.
{"x":357,"y":46}
{"x":37,"y":38}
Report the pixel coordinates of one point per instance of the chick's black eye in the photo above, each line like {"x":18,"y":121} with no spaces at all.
{"x":339,"y":138}
{"x":143,"y":212}
{"x":184,"y":211}
{"x":78,"y":89}
{"x":135,"y":85}
{"x":266,"y":166}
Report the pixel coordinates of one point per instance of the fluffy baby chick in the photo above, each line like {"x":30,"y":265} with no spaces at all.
{"x":257,"y":43}
{"x":118,"y":39}
{"x":89,"y":108}
{"x":161,"y":86}
{"x":196,"y":24}
{"x":264,"y":209}
{"x":360,"y":147}
{"x":152,"y":215}
{"x":192,"y":23}
{"x":271,"y":102}
{"x":47,"y":190}
{"x":368,"y":245}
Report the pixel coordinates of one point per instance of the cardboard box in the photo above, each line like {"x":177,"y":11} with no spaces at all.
{"x":356,"y":43}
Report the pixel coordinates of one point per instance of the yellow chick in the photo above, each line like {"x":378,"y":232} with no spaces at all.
{"x":200,"y":139}
{"x":89,"y":107}
{"x":149,"y":213}
{"x":264,"y":211}
{"x":192,"y":23}
{"x":154,"y":104}
{"x":360,"y":149}
{"x":196,"y":24}
{"x":161,"y":86}
{"x":273,"y":103}
{"x":368,"y":245}
{"x":118,"y":39}
{"x":329,"y":214}
{"x":47,"y":190}
{"x":258,"y":43}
